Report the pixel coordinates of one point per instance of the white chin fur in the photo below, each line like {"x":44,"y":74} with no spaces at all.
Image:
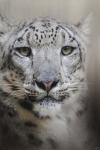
{"x":47,"y":109}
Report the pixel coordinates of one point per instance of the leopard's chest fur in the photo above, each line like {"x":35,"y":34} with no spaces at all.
{"x":30,"y":132}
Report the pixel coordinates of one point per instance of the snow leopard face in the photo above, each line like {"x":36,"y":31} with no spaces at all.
{"x":42,"y":65}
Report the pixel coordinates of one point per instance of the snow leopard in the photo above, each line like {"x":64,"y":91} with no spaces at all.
{"x":43,"y":85}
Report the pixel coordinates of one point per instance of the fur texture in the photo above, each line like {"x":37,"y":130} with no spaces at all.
{"x":43,"y":83}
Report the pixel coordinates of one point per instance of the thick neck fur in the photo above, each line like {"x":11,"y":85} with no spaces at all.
{"x":65,"y":130}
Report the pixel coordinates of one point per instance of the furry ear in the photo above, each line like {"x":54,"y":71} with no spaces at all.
{"x":5,"y":29}
{"x":84,"y":25}
{"x":4,"y":25}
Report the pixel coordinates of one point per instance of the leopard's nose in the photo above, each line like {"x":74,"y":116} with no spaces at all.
{"x":46,"y":85}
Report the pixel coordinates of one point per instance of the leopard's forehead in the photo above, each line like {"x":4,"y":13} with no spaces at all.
{"x":41,"y":32}
{"x":44,"y":24}
{"x":45,"y":30}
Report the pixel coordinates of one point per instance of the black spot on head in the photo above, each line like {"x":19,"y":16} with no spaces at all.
{"x":41,"y":36}
{"x":37,"y":30}
{"x":55,"y":35}
{"x":36,"y":36}
{"x":51,"y":34}
{"x":34,"y":140}
{"x":63,"y":35}
{"x":32,"y":27}
{"x":70,"y":36}
{"x":20,"y":39}
{"x":39,"y":41}
{"x":52,"y":30}
{"x":26,"y":30}
{"x":49,"y":24}
{"x":53,"y":38}
{"x":46,"y":31}
{"x":10,"y":50}
{"x":42,"y":31}
{"x":28,"y":37}
{"x":45,"y":35}
{"x":26,"y":104}
{"x":72,"y":39}
{"x":57,"y":28}
{"x":38,"y":44}
{"x":44,"y":25}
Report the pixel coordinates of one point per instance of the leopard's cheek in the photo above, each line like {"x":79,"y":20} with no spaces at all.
{"x":12,"y":85}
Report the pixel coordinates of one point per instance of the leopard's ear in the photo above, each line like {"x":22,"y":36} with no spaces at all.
{"x":84,"y":26}
{"x":5,"y":29}
{"x":4,"y":25}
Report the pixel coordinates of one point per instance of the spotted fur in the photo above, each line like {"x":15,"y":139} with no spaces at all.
{"x":30,"y":58}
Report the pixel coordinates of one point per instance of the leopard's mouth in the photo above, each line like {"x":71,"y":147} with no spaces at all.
{"x":45,"y":106}
{"x":45,"y":99}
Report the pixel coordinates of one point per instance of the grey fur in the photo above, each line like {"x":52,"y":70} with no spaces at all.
{"x":21,"y":76}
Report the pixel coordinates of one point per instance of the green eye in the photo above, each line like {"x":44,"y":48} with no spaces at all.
{"x":67,"y":50}
{"x":24,"y":51}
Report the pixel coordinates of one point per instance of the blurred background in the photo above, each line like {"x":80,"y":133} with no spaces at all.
{"x":68,"y":11}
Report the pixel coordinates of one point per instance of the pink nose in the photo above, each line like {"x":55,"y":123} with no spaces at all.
{"x":47,"y":86}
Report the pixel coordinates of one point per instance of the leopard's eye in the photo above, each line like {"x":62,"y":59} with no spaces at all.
{"x":67,"y":50}
{"x":24,"y":51}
